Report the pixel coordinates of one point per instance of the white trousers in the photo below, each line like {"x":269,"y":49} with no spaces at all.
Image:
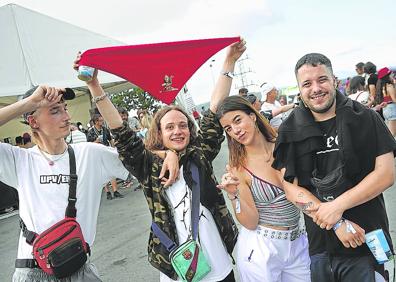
{"x":262,"y":258}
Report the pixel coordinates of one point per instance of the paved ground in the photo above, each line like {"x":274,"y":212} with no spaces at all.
{"x":120,"y":250}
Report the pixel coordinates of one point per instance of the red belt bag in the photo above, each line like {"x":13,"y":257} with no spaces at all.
{"x":61,"y":249}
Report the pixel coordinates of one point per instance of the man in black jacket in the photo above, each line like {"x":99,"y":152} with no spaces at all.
{"x":341,"y":155}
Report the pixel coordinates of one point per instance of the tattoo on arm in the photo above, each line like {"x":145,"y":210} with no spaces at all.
{"x":304,"y":206}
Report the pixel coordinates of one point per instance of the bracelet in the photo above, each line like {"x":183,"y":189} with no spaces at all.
{"x":349,"y":227}
{"x":338,"y":224}
{"x":232,"y":199}
{"x":99,"y":98}
{"x":229,"y":74}
{"x":236,"y":196}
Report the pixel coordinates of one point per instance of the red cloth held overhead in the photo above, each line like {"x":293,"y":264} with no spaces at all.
{"x":161,"y":69}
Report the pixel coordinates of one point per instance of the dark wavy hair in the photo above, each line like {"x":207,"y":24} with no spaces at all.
{"x":380,"y":88}
{"x":370,"y":68}
{"x":356,"y":84}
{"x":154,"y":138}
{"x":237,"y":156}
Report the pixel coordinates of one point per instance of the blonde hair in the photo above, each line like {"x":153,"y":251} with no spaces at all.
{"x":146,"y":121}
{"x":154,"y":138}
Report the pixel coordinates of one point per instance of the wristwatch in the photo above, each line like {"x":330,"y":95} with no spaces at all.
{"x":229,"y":74}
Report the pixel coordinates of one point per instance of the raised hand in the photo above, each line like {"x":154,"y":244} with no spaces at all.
{"x":45,"y":96}
{"x":229,"y":182}
{"x":236,"y":50}
{"x":76,"y":64}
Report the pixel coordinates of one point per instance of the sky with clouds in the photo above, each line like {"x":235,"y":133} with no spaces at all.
{"x":278,"y":33}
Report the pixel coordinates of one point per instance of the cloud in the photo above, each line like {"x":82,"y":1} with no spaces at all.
{"x":207,"y":19}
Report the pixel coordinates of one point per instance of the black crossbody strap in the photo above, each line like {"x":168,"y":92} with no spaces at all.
{"x":71,"y":210}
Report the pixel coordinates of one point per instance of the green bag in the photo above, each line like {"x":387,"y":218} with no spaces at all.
{"x":189,"y":262}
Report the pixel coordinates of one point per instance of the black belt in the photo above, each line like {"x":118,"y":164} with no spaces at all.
{"x":31,"y":263}
{"x":26,"y":263}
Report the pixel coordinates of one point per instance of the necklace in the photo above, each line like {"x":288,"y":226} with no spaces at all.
{"x":51,"y":162}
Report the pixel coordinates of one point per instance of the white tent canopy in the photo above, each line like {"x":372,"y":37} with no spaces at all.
{"x":37,"y":49}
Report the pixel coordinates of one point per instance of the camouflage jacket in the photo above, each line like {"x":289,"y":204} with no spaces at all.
{"x":146,"y":167}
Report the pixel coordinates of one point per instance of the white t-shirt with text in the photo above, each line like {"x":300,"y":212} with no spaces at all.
{"x":43,"y":189}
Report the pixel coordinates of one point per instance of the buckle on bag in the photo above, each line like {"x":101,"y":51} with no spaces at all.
{"x":171,"y":247}
{"x":30,"y":237}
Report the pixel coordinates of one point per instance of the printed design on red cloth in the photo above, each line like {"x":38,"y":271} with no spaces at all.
{"x":161,"y":69}
{"x":167,"y":85}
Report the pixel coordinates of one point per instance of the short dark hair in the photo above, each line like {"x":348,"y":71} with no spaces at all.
{"x":370,"y":68}
{"x":122,"y":110}
{"x":356,"y":83}
{"x":359,"y":65}
{"x":19,"y":140}
{"x":251,"y":98}
{"x":243,"y":90}
{"x":313,"y":59}
{"x":95,"y":117}
{"x":26,"y":138}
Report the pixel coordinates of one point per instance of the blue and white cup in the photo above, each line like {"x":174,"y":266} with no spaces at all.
{"x":378,"y":246}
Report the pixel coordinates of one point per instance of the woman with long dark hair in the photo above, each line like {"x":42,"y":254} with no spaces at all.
{"x":271,"y":246}
{"x":385,"y":92}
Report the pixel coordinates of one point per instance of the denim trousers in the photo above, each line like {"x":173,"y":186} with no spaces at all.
{"x":327,"y":268}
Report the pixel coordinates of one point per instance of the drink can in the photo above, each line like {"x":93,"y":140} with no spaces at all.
{"x":85,"y":73}
{"x":378,"y":245}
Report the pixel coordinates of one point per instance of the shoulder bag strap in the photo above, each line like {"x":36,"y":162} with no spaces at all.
{"x":71,"y":210}
{"x":195,"y":200}
{"x":192,"y":269}
{"x":164,"y":238}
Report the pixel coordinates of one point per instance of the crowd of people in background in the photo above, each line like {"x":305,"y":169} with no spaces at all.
{"x":374,"y":89}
